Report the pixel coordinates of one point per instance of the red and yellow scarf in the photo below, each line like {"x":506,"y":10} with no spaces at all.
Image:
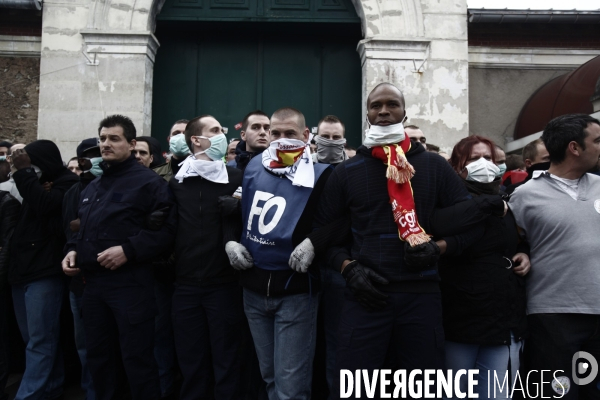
{"x":399,"y":172}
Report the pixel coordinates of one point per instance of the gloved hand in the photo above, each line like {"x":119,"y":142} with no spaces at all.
{"x":422,"y":256}
{"x":156,"y":219}
{"x":302,"y":256}
{"x":228,"y":205}
{"x":239,"y":256}
{"x":358,"y":278}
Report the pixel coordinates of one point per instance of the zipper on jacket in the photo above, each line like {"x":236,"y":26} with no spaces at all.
{"x":269,"y":284}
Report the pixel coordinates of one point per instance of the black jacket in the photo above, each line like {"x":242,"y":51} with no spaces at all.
{"x":9,"y":215}
{"x":483,"y":300}
{"x":200,"y":257}
{"x":243,"y":157}
{"x":113,"y":211}
{"x":38,"y":239}
{"x":358,"y":190}
{"x":70,"y":211}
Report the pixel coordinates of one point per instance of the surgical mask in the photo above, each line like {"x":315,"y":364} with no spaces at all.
{"x":482,"y":170}
{"x":37,"y":170}
{"x":178,"y":147}
{"x":95,"y":170}
{"x":2,"y":158}
{"x":217,"y":149}
{"x":502,"y":168}
{"x":377,"y":135}
{"x":330,"y":151}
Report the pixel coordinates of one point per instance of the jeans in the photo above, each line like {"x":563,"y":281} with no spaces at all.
{"x":119,"y":309}
{"x":491,"y":361}
{"x":284,"y":330}
{"x":553,"y":341}
{"x":208,"y":323}
{"x":164,"y":345}
{"x":332,"y":301}
{"x":406,"y":334}
{"x":4,"y":357}
{"x":37,"y":308}
{"x":86,"y":377}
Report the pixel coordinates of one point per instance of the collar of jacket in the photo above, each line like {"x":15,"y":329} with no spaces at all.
{"x":415,"y":148}
{"x":243,"y":157}
{"x":116,"y":168}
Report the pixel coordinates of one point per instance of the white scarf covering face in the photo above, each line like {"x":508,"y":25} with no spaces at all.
{"x":377,"y":135}
{"x":301,"y":172}
{"x":214,"y":171}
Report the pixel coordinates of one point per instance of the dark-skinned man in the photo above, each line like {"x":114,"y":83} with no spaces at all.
{"x":88,"y":159}
{"x":255,"y":138}
{"x":127,"y":219}
{"x":393,"y":304}
{"x":34,"y":273}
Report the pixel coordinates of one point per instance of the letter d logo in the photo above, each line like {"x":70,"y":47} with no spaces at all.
{"x":583,"y":367}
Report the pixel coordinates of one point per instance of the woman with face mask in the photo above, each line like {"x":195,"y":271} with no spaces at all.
{"x":483,"y":289}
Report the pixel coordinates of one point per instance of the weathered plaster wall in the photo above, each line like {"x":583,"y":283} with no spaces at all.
{"x":421,"y":46}
{"x":496,"y":97}
{"x":75,"y":96}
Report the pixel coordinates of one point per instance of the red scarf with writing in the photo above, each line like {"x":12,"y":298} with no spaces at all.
{"x":399,"y":172}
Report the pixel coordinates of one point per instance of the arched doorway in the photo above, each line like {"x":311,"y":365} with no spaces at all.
{"x":229,"y":61}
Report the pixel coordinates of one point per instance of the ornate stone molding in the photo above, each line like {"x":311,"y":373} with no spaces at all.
{"x":119,"y":42}
{"x":403,"y":49}
{"x":20,"y":46}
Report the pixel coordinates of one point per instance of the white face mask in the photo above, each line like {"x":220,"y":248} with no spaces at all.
{"x":378,"y":135}
{"x":482,"y":170}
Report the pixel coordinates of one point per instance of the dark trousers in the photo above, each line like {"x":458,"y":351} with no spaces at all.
{"x":120,"y":309}
{"x":553,"y":341}
{"x":406,"y":334}
{"x":4,"y":301}
{"x":208,"y":327}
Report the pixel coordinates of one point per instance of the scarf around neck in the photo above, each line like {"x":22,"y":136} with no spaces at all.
{"x":214,"y":171}
{"x":399,"y":172}
{"x":292,"y":158}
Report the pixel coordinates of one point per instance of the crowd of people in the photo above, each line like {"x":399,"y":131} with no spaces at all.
{"x":204,"y":277}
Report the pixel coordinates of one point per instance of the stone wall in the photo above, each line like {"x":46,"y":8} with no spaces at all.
{"x":19,"y":86}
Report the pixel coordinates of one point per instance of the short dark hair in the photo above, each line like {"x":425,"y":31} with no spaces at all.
{"x":514,"y":161}
{"x":411,"y":127}
{"x":563,"y":130}
{"x":119,"y":120}
{"x":179,"y":121}
{"x":6,"y":144}
{"x":70,"y":159}
{"x":530,"y":151}
{"x":289,"y":112}
{"x":386,"y":84}
{"x":432,"y":147}
{"x":194,"y":128}
{"x":331,"y":119}
{"x":146,"y":140}
{"x":251,"y":113}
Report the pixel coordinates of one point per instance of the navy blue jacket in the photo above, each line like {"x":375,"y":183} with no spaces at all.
{"x":357,"y":189}
{"x":113,"y":211}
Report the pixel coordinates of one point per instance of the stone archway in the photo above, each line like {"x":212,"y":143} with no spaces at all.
{"x":419,"y":45}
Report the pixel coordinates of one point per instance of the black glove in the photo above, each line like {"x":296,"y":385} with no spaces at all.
{"x":358,"y":278}
{"x":228,"y":205}
{"x":156,"y":219}
{"x":421,"y":257}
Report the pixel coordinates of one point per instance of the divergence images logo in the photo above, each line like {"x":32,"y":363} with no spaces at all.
{"x":582,"y":363}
